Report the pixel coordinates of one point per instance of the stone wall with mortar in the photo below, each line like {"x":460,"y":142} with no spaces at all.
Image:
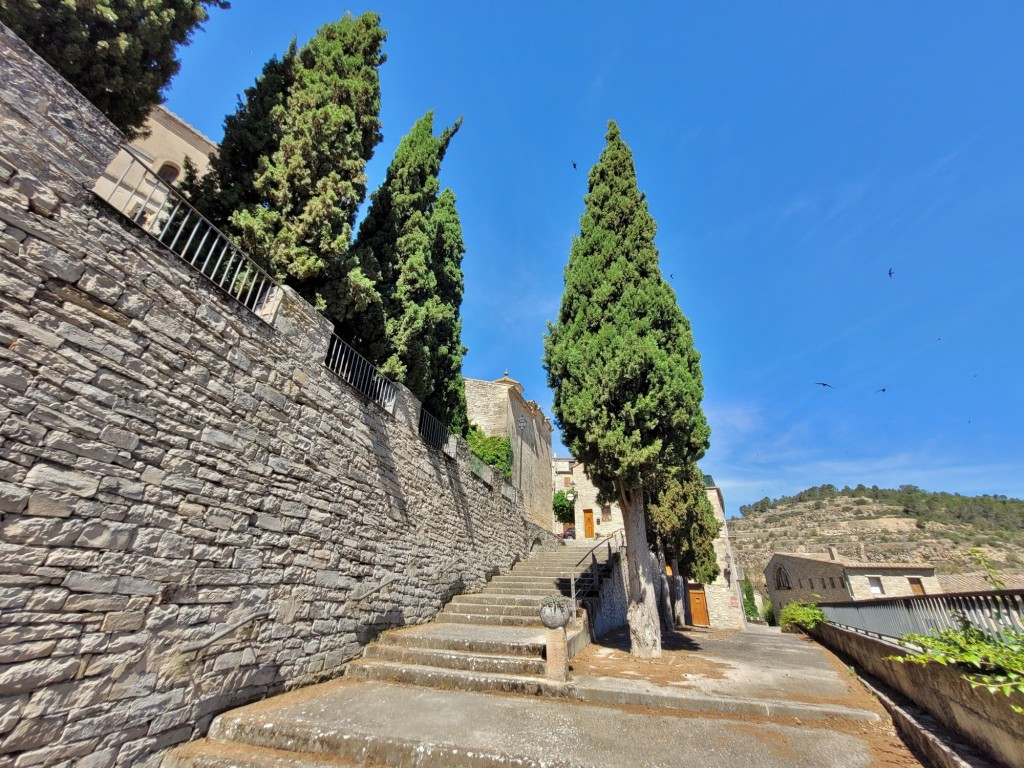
{"x":174,"y":470}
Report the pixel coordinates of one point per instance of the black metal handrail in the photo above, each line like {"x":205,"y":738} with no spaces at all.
{"x":436,"y":434}
{"x":618,"y":539}
{"x":349,"y":365}
{"x":162,"y":212}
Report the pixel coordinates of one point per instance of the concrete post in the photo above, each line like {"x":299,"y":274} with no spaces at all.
{"x":557,"y":655}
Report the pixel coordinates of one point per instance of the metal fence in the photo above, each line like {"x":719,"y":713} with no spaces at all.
{"x":436,"y":434}
{"x":355,"y":369}
{"x":891,"y":618}
{"x":130,"y":187}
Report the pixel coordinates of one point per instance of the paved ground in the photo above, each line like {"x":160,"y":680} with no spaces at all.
{"x":715,"y":699}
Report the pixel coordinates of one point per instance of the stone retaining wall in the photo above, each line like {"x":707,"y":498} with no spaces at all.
{"x":172,"y":469}
{"x":983,"y":718}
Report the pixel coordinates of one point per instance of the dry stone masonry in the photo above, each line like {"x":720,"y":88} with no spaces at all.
{"x":194,"y":511}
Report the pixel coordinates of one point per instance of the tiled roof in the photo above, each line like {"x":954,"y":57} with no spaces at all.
{"x":825,"y":558}
{"x":975,"y":582}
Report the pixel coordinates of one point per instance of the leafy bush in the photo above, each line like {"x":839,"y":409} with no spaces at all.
{"x":992,"y":662}
{"x":802,"y":615}
{"x":495,"y":451}
{"x":768,"y":614}
{"x":565,"y":510}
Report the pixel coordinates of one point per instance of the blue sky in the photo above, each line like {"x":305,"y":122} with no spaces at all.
{"x":792,"y":153}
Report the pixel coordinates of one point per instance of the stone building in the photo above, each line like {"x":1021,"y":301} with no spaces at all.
{"x":593,"y":519}
{"x":829,"y":578}
{"x":499,"y":409}
{"x":169,"y":142}
{"x":722,"y":603}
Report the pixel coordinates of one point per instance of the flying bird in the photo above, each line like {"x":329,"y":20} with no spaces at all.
{"x":671,"y":276}
{"x":891,"y":273}
{"x":823,"y":384}
{"x":880,"y":390}
{"x":574,"y":165}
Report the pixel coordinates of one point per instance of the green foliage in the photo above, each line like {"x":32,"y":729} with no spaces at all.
{"x":996,"y":514}
{"x":314,"y":182}
{"x":768,"y":614}
{"x":749,"y":604}
{"x":565,"y":510}
{"x":991,"y":574}
{"x":251,"y":137}
{"x":681,"y":517}
{"x":992,"y":662}
{"x":620,"y":358}
{"x":494,"y":451}
{"x":800,"y":614}
{"x":120,"y":54}
{"x":411,"y":243}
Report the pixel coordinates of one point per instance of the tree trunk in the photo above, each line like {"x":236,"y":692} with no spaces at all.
{"x":664,"y":590}
{"x":677,"y":594}
{"x":642,"y":610}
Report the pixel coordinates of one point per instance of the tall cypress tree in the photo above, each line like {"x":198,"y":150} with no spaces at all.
{"x":119,"y":53}
{"x":621,"y":362}
{"x":411,"y":240}
{"x":682,"y":517}
{"x":315,"y":181}
{"x":251,"y":137}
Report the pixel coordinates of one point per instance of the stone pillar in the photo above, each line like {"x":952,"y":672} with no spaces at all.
{"x":557,"y":653}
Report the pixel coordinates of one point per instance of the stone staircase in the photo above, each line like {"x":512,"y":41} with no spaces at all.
{"x":491,"y":640}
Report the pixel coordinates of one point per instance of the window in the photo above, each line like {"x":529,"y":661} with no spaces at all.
{"x":823,"y":582}
{"x":875,"y":582}
{"x":782,"y":578}
{"x":169,"y":172}
{"x":831,"y":582}
{"x":916,"y":587}
{"x":801,"y":583}
{"x":567,"y":481}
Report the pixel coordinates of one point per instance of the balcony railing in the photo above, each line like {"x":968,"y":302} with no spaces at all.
{"x":349,"y":365}
{"x":436,"y":434}
{"x":161,"y":211}
{"x":892,"y":618}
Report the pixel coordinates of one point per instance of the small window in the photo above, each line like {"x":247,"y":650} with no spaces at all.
{"x":823,"y":582}
{"x":875,"y":582}
{"x":831,"y":582}
{"x":567,"y":481}
{"x":782,"y":578}
{"x":801,"y":583}
{"x":842,"y":582}
{"x":916,"y":587}
{"x":169,"y":172}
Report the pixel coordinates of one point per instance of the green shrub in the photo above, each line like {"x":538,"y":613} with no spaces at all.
{"x":992,"y":662}
{"x":749,"y":605}
{"x":768,"y":614}
{"x":802,"y":615}
{"x":495,"y":451}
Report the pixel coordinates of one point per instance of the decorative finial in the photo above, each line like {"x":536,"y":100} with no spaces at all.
{"x":506,"y":373}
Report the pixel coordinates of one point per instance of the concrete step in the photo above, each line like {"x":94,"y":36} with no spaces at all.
{"x":493,"y":609}
{"x":455,"y":617}
{"x":507,"y":641}
{"x":207,"y":753}
{"x":463,"y":660}
{"x":489,"y":598}
{"x":451,"y":679}
{"x":513,"y":589}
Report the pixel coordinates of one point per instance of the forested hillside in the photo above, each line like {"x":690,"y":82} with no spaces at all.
{"x":882,"y":525}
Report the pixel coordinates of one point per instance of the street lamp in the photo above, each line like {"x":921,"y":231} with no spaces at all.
{"x":728,"y":569}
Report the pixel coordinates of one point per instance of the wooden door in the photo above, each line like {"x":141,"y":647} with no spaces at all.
{"x":698,"y":606}
{"x":916,"y":586}
{"x":588,"y":523}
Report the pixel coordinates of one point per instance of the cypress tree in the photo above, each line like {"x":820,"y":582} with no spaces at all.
{"x":120,"y":54}
{"x":251,"y":137}
{"x":411,"y":240}
{"x":621,"y":362}
{"x":315,"y":181}
{"x":682,"y":517}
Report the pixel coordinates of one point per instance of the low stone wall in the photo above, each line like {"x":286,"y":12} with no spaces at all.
{"x":607,"y":612}
{"x":194,"y":511}
{"x":984,"y":719}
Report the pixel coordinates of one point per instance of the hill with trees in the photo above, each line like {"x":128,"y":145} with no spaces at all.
{"x":873,"y":524}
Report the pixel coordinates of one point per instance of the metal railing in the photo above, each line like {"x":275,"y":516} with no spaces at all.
{"x":161,"y":211}
{"x":343,"y":361}
{"x":891,"y":618}
{"x":436,"y":434}
{"x":615,"y":542}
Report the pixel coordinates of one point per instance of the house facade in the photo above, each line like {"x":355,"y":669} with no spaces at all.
{"x":593,"y":519}
{"x":829,"y":578}
{"x":499,"y":409}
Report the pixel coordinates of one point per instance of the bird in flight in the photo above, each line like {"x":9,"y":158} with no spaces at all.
{"x":891,"y":273}
{"x":574,"y":165}
{"x":823,"y":384}
{"x":880,"y":390}
{"x":671,"y":276}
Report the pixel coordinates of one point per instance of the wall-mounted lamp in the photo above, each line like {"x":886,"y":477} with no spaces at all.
{"x":727,"y":573}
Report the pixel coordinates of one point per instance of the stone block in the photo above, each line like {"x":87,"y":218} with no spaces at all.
{"x":13,"y":498}
{"x":13,"y":653}
{"x":81,"y":581}
{"x":44,"y":504}
{"x":120,"y":438}
{"x":123,"y":621}
{"x":53,"y":478}
{"x":26,"y":677}
{"x":102,"y":603}
{"x":106,"y":289}
{"x":30,"y":734}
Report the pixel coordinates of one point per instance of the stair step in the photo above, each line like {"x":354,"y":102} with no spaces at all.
{"x":477,"y":618}
{"x":452,"y":679}
{"x":208,"y":753}
{"x":507,"y":641}
{"x":491,"y":609}
{"x":488,"y":598}
{"x":463,"y":660}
